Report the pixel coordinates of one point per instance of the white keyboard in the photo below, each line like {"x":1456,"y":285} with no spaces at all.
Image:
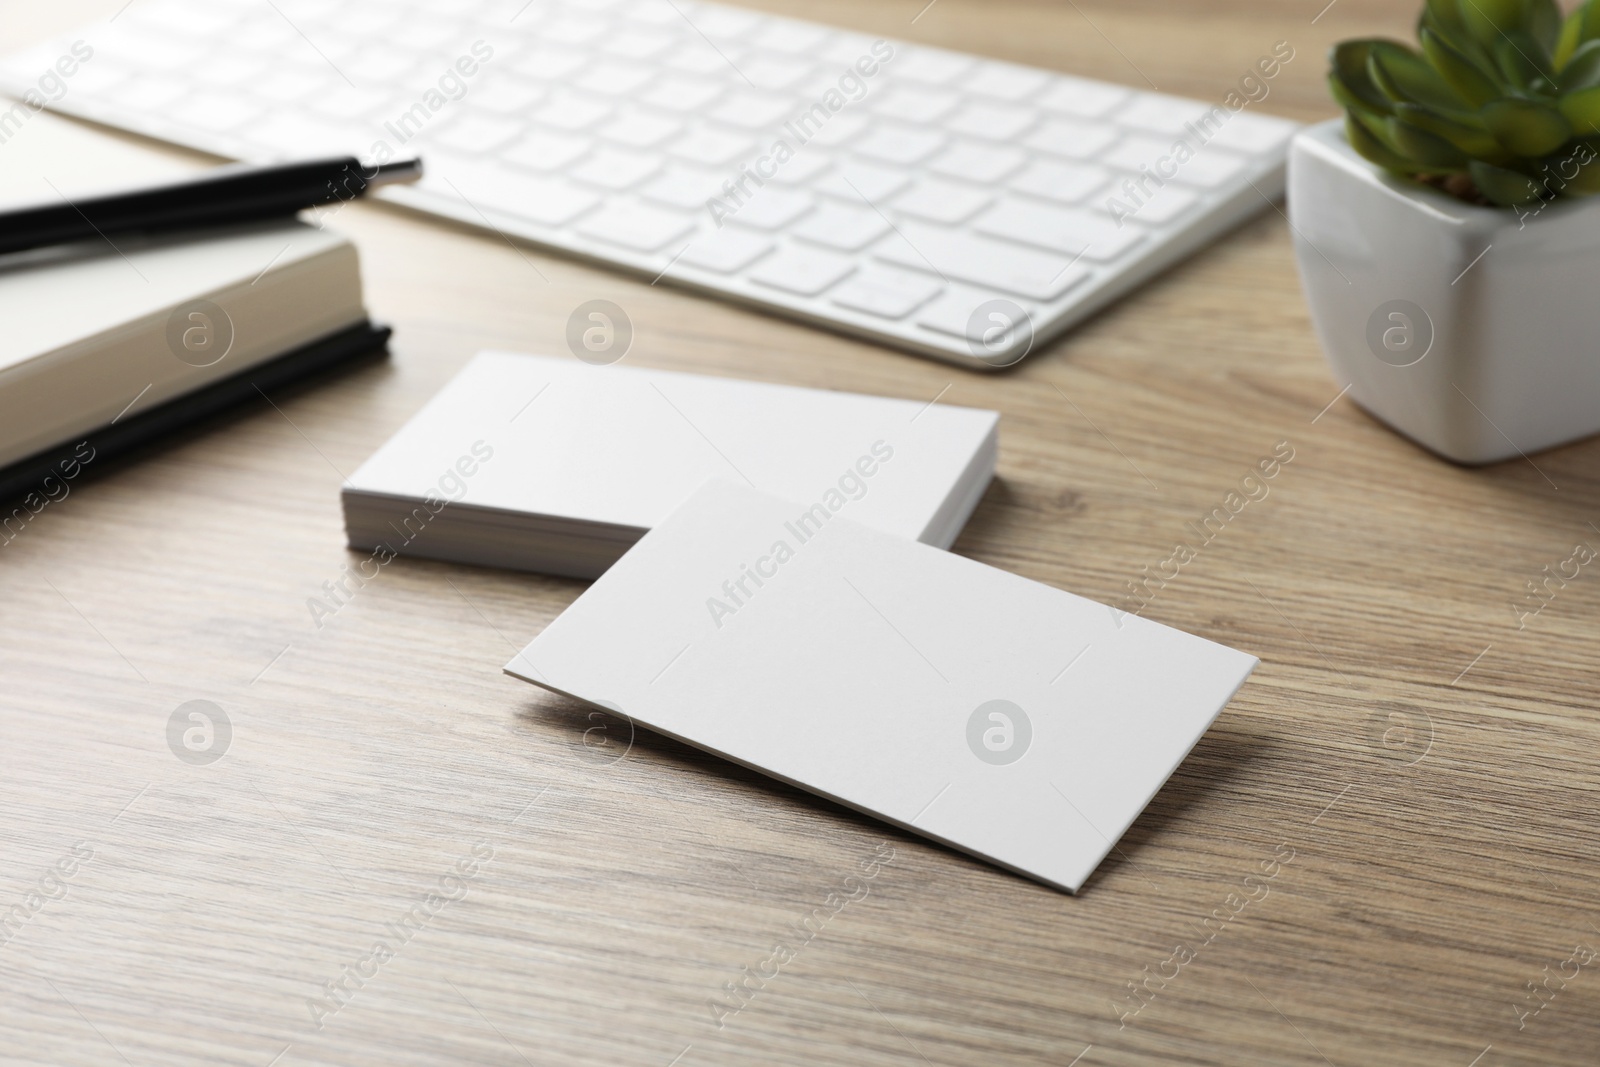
{"x":952,"y":205}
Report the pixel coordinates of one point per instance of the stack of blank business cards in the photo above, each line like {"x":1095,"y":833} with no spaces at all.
{"x":1010,"y":720}
{"x":554,"y":465}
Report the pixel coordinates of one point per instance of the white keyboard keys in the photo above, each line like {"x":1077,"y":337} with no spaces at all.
{"x":973,"y":161}
{"x":636,"y":226}
{"x":1073,"y":139}
{"x":899,"y":145}
{"x":1066,"y":183}
{"x":999,"y":265}
{"x":774,"y":207}
{"x":753,"y":111}
{"x":898,"y":194}
{"x":910,"y":104}
{"x":803,"y":271}
{"x":1063,"y":230}
{"x":840,"y":226}
{"x":994,"y":122}
{"x":674,"y":93}
{"x":546,"y":201}
{"x":218,"y":112}
{"x":940,"y":201}
{"x":929,"y":65}
{"x":1083,"y":99}
{"x":615,"y":168}
{"x":470,"y":134}
{"x":684,"y":188}
{"x":855,"y":181}
{"x":640,"y":129}
{"x":542,"y":151}
{"x":569,"y":111}
{"x":726,"y":250}
{"x":710,"y":147}
{"x":884,"y":292}
{"x":1003,"y":81}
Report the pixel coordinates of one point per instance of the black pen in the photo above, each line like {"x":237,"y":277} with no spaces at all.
{"x":234,"y":193}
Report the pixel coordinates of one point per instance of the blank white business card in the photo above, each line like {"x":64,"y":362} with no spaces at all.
{"x":571,"y":463}
{"x":1013,"y":721}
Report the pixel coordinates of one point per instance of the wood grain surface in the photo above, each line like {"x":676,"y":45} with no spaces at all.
{"x":1408,"y":782}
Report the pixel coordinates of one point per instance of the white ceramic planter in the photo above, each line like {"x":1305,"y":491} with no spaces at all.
{"x":1473,"y":331}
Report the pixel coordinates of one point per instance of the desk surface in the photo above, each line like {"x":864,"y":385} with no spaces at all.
{"x":1416,"y":772}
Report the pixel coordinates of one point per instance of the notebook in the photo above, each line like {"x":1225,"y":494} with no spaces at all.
{"x":110,"y":343}
{"x":1010,"y":720}
{"x":551,"y":464}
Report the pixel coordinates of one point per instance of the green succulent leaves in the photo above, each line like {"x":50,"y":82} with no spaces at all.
{"x":1504,"y":92}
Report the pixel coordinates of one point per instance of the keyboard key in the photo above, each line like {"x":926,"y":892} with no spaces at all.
{"x":489,"y":187}
{"x":1064,"y":230}
{"x":803,"y":271}
{"x":885,"y":292}
{"x":471,"y":134}
{"x":148,"y":94}
{"x":684,"y":187}
{"x":542,"y":151}
{"x":614,"y":79}
{"x":902,"y":145}
{"x":298,"y":135}
{"x":1080,"y":98}
{"x":994,"y":122}
{"x":615,"y":169}
{"x":1066,"y":183}
{"x":1252,"y":134}
{"x":840,"y":226}
{"x":773,"y":208}
{"x":636,"y":226}
{"x":218,"y":112}
{"x":1170,"y":115}
{"x":724,"y":23}
{"x":344,"y":102}
{"x":800,"y":169}
{"x":186,"y":19}
{"x":374,"y":66}
{"x":953,"y":311}
{"x":726,"y":250}
{"x":855,"y":181}
{"x":1072,"y":139}
{"x":710,"y":147}
{"x":571,"y":112}
{"x":1209,"y":168}
{"x":508,"y":96}
{"x":640,"y":129}
{"x":235,"y":70}
{"x":929,"y":65}
{"x":975,"y":162}
{"x":637,"y":44}
{"x":572,"y":30}
{"x":698,"y":58}
{"x":1167,"y":205}
{"x":914,"y":104}
{"x":838,"y":130}
{"x":794,"y":38}
{"x":681,"y":94}
{"x":946,"y":202}
{"x":1003,"y":81}
{"x":287,"y":84}
{"x":999,"y":265}
{"x":549,"y":64}
{"x":154,"y":50}
{"x":752,"y":111}
{"x":767,"y":71}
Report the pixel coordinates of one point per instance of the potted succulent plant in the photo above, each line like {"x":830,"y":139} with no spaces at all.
{"x":1446,"y":247}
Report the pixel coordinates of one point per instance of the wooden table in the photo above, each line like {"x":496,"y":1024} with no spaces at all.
{"x":1416,"y":772}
